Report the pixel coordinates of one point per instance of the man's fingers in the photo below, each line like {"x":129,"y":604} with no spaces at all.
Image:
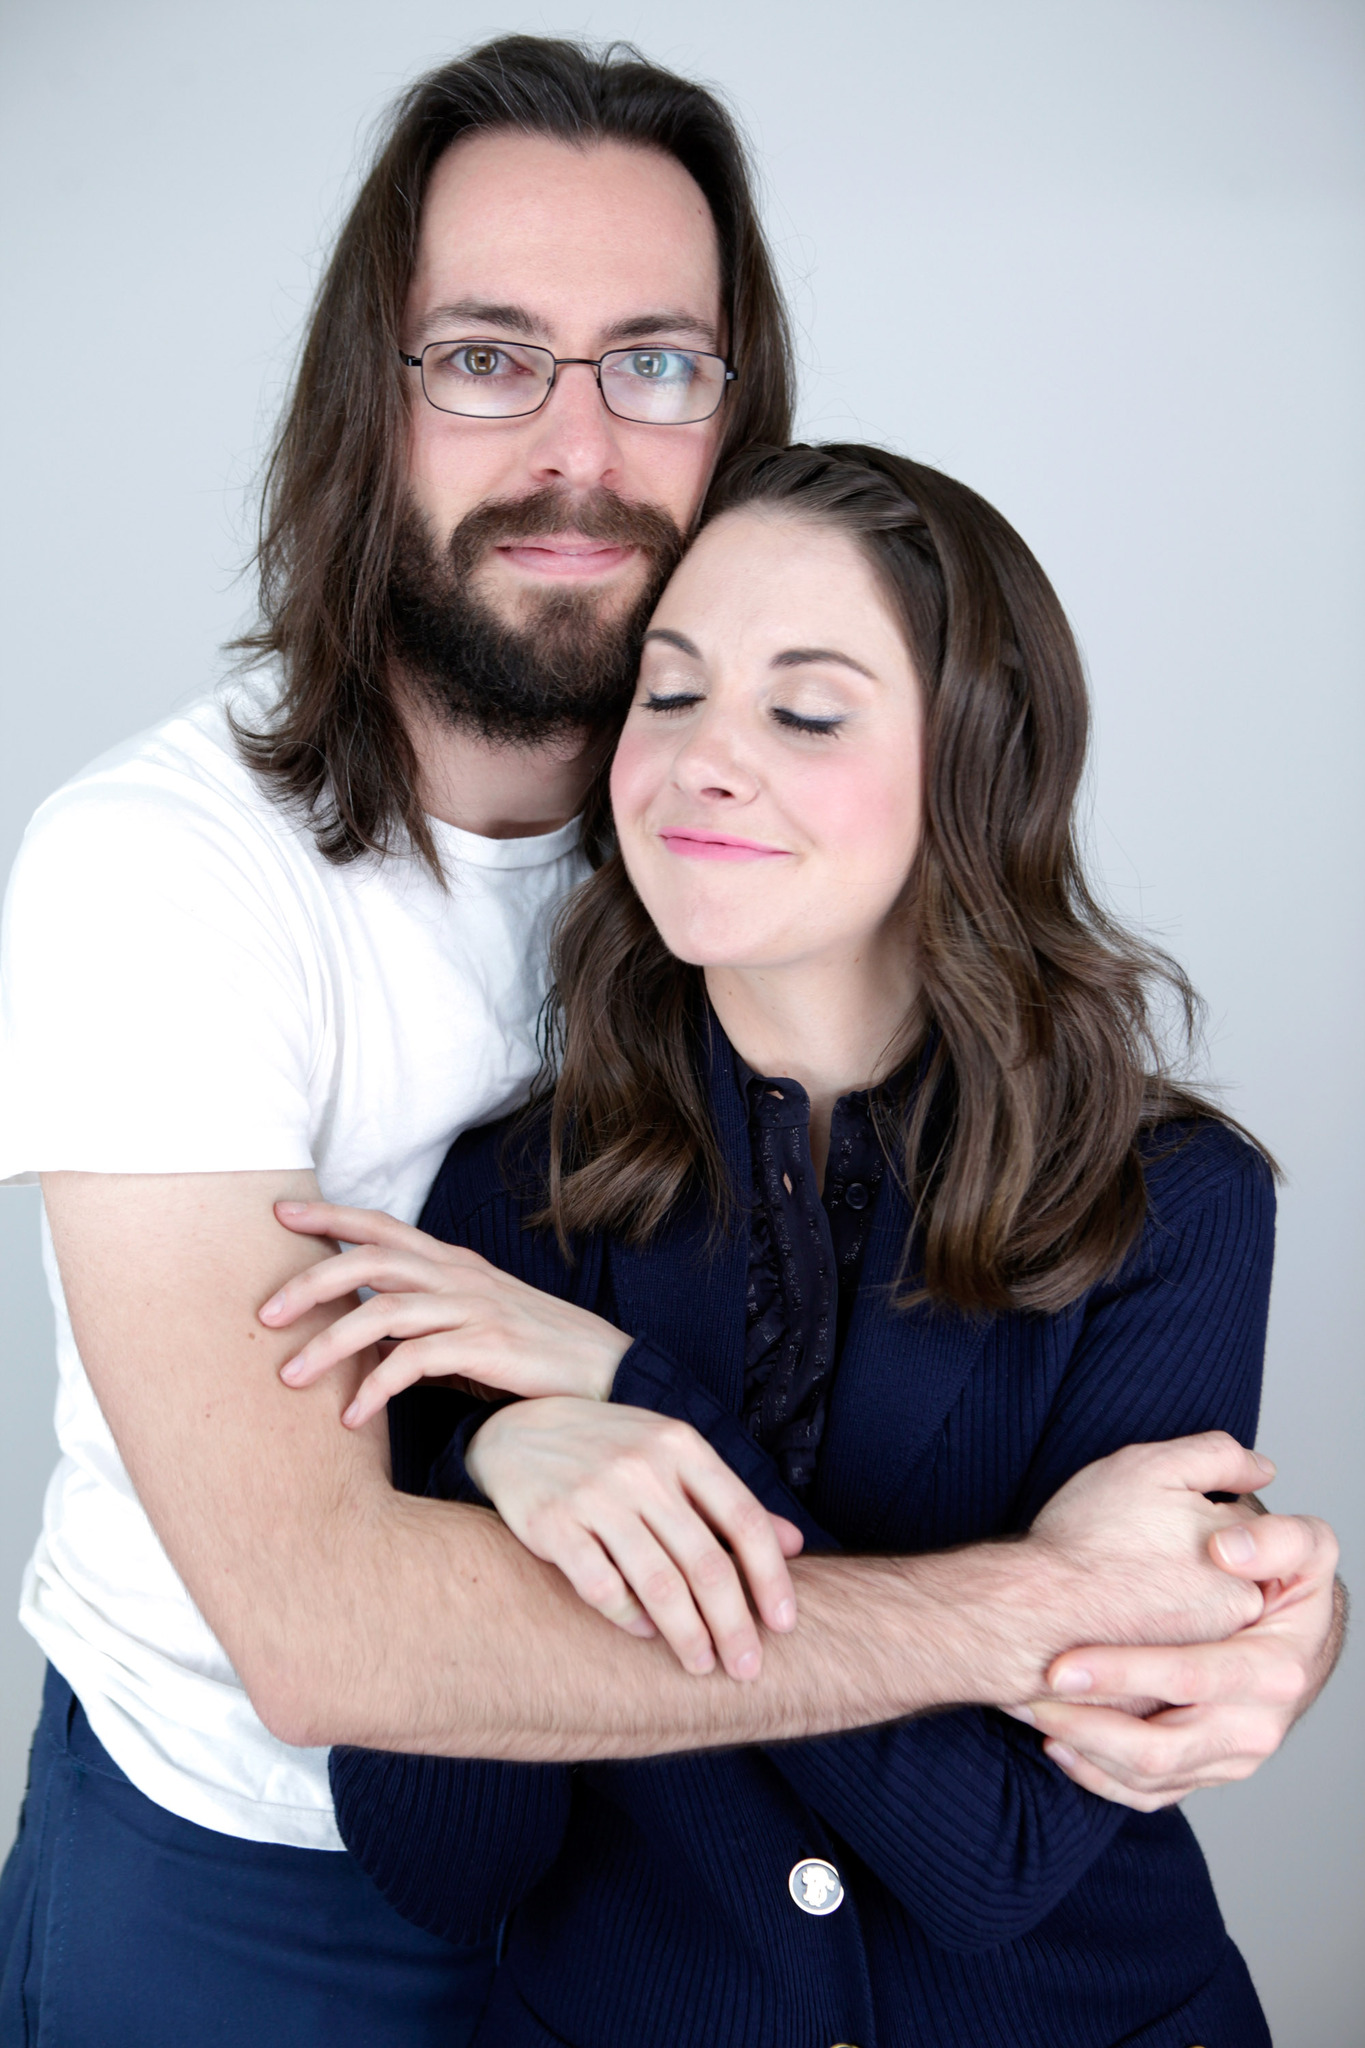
{"x":1247,"y":1667}
{"x":1091,"y":1778}
{"x":1168,"y":1754}
{"x":1213,"y":1462}
{"x":1276,"y":1547}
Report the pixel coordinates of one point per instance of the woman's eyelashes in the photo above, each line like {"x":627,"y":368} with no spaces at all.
{"x":665,"y":701}
{"x":672,"y":700}
{"x":799,"y":721}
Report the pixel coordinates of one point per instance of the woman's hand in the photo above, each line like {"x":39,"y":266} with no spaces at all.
{"x":446,"y":1313}
{"x":635,"y":1509}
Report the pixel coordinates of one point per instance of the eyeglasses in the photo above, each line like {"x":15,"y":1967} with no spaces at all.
{"x":506,"y":380}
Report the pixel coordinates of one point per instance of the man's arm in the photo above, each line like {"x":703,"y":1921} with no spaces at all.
{"x":354,"y":1614}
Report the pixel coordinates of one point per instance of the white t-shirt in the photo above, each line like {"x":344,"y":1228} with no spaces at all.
{"x":187,"y":986}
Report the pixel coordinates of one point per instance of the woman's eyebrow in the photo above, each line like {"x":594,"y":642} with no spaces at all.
{"x":797,"y":657}
{"x":671,"y":639}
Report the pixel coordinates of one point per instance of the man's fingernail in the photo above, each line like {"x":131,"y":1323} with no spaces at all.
{"x":1267,"y":1465}
{"x":1024,"y":1714}
{"x":1072,"y":1678}
{"x":290,"y":1208}
{"x":747,"y":1666}
{"x":350,"y":1416}
{"x":271,"y":1307}
{"x":784,"y":1615}
{"x":1235,"y":1545}
{"x":293,"y":1371}
{"x":1060,"y":1754}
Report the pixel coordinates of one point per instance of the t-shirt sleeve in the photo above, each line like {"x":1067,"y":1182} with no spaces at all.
{"x":158,"y":1013}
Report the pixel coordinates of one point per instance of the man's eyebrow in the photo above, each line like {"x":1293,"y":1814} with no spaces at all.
{"x":654,"y":326}
{"x":797,"y":657}
{"x":671,"y":639}
{"x":486,"y":313}
{"x":495,"y":318}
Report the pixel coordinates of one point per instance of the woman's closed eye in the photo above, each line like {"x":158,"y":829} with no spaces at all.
{"x":800,"y":721}
{"x":672,"y":700}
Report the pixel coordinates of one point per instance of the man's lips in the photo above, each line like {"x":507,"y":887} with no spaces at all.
{"x":690,"y":845}
{"x":567,"y":556}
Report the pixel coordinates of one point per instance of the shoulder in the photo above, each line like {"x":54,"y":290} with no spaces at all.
{"x":1198,"y":1161}
{"x":174,"y":815}
{"x":1210,"y":1192}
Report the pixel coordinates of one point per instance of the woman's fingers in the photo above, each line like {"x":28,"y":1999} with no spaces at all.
{"x":386,"y":1270}
{"x":750,"y":1531}
{"x":357,"y":1226}
{"x":660,"y":1503}
{"x":399,"y":1317}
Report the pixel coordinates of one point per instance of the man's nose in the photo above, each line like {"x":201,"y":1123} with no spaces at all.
{"x":576,"y":442}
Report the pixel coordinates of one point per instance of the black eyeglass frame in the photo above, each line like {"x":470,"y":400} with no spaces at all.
{"x":558,"y":363}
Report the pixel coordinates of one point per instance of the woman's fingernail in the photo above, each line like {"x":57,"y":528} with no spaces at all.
{"x":290,"y":1208}
{"x":784,"y":1615}
{"x":293,"y":1372}
{"x":1072,"y":1678}
{"x":1024,"y":1714}
{"x":748,"y":1665}
{"x":271,"y":1307}
{"x":1060,"y":1754}
{"x":351,"y":1416}
{"x":1267,"y":1465}
{"x":1236,"y":1545}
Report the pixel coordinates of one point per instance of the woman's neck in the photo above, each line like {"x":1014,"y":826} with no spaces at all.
{"x":832,"y":1027}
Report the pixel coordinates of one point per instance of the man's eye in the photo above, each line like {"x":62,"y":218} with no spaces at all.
{"x":676,"y":700}
{"x":481,"y":362}
{"x":793,"y":721}
{"x":658,"y":365}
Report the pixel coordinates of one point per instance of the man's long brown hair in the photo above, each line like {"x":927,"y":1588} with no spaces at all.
{"x":1039,"y":1062}
{"x":336,"y":485}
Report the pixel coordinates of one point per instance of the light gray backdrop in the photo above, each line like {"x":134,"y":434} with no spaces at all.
{"x":1100,"y":258}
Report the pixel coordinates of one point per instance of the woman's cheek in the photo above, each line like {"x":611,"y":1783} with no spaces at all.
{"x":635,"y":775}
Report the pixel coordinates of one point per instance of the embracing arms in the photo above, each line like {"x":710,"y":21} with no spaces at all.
{"x":358,"y":1615}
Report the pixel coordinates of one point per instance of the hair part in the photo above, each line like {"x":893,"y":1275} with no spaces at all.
{"x":1040,"y":1062}
{"x":335,"y":488}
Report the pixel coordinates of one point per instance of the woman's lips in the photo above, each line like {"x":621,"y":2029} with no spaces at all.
{"x":718,"y":846}
{"x":568,"y":556}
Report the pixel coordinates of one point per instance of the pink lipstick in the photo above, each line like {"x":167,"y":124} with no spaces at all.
{"x":691,"y":845}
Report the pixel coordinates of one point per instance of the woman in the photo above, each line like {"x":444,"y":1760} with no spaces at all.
{"x":861,"y":1160}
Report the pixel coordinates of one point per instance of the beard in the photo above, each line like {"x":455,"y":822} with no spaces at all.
{"x":568,"y":666}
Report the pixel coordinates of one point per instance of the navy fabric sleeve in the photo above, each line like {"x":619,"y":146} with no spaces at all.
{"x":456,"y":1844}
{"x":961,"y":1815}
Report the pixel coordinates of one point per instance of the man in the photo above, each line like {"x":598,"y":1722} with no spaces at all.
{"x":302,"y":946}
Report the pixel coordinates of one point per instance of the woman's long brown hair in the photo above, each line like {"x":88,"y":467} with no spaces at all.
{"x":1040,"y":1062}
{"x":336,"y":489}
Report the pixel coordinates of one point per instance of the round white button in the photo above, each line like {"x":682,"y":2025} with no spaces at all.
{"x":816,"y":1886}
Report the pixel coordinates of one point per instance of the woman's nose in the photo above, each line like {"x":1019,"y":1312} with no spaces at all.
{"x":711,"y":763}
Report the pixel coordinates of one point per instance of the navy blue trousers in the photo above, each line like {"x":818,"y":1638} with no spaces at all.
{"x":123,"y":1926}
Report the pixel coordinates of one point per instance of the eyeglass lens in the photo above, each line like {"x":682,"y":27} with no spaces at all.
{"x":503,"y":380}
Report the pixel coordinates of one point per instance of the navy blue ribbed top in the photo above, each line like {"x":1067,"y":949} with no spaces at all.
{"x":988,"y":1902}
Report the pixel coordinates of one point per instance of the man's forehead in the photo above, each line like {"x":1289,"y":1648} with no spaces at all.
{"x":540,"y":239}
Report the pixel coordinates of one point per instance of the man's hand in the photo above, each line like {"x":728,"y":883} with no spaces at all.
{"x":1234,"y":1701}
{"x":635,"y":1509}
{"x":447,"y":1314}
{"x":1129,"y":1538}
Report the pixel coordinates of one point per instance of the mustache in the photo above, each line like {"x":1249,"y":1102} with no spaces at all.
{"x":600,"y":515}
